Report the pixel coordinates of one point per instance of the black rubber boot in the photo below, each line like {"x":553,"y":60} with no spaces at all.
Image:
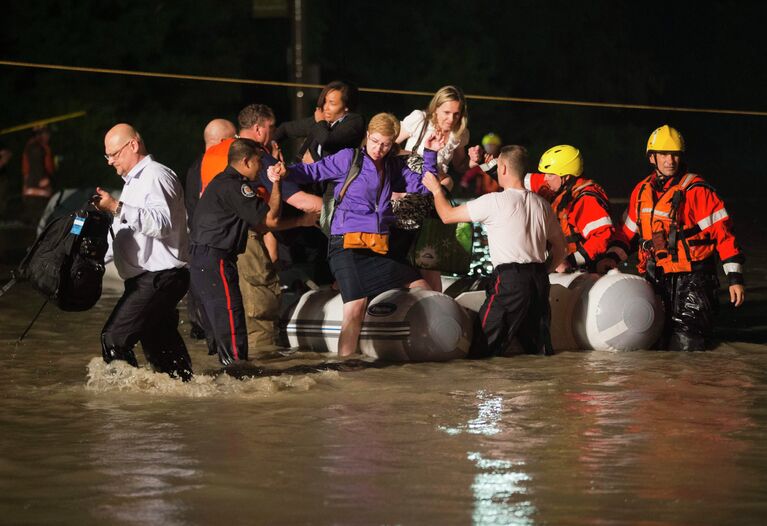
{"x":681,"y":341}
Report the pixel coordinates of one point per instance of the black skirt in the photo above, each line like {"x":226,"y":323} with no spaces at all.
{"x":362,"y":273}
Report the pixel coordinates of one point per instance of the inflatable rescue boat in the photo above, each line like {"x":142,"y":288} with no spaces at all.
{"x":611,"y":312}
{"x":400,"y":325}
{"x":616,"y":311}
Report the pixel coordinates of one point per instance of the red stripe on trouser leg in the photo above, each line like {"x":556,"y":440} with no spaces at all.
{"x":490,"y":303}
{"x":229,"y":309}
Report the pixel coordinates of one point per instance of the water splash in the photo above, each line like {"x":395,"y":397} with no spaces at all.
{"x":118,"y":376}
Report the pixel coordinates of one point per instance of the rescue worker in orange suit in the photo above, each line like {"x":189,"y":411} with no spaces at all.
{"x":681,"y":224}
{"x":581,"y":206}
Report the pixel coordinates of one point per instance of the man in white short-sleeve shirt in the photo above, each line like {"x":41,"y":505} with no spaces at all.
{"x":526,"y":242}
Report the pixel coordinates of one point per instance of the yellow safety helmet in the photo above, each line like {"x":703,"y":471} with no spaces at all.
{"x":562,"y":160}
{"x":491,"y":138}
{"x":665,"y":139}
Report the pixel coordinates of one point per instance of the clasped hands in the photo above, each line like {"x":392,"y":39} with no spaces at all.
{"x":276,"y":172}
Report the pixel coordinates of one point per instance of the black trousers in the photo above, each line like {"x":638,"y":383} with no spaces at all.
{"x":216,"y":287}
{"x":691,"y":305}
{"x":147,"y":313}
{"x":517,"y":304}
{"x":194,"y":313}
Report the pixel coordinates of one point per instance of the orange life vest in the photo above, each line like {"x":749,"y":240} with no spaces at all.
{"x":666,"y":238}
{"x":564,"y":203}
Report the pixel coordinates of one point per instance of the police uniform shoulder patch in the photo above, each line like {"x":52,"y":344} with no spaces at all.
{"x":247,"y":191}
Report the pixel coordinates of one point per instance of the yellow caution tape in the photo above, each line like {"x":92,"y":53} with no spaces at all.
{"x":381,"y":90}
{"x":42,"y":122}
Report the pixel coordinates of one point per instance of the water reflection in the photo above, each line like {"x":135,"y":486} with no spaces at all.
{"x":144,"y":466}
{"x":498,"y":489}
{"x":501,"y":486}
{"x":669,"y":434}
{"x":489,"y":412}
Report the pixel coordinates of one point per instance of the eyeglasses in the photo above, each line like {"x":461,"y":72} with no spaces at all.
{"x":110,"y":156}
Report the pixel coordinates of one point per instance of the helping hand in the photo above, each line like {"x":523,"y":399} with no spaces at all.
{"x":431,"y":182}
{"x":276,"y":172}
{"x":435,"y":141}
{"x":474,"y":156}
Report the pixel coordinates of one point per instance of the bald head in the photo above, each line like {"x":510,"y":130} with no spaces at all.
{"x":218,"y":130}
{"x":120,"y":133}
{"x":124,"y":148}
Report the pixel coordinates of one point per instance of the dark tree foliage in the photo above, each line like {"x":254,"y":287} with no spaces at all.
{"x":705,"y":54}
{"x":203,"y":38}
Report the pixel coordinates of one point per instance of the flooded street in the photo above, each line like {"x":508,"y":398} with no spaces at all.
{"x":577,"y":438}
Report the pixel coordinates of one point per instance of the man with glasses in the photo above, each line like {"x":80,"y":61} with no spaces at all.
{"x":149,"y":249}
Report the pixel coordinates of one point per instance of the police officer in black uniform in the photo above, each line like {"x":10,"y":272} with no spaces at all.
{"x":232,"y":203}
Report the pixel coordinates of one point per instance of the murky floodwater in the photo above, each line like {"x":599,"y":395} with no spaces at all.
{"x":577,"y":438}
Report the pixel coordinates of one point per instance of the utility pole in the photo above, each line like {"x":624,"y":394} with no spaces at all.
{"x":297,"y":52}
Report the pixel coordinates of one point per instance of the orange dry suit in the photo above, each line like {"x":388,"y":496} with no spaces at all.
{"x":583,"y":211}
{"x":681,"y":223}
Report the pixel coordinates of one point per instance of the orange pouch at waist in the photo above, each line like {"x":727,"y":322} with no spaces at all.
{"x":378,"y":243}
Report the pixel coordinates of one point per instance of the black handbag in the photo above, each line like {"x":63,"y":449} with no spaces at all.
{"x":413,"y":209}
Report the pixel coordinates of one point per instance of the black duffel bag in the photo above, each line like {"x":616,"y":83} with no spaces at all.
{"x":66,"y":262}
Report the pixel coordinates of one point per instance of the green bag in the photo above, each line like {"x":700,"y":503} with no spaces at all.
{"x":447,"y":248}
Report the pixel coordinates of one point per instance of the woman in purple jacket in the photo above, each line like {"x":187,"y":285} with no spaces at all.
{"x":358,"y":247}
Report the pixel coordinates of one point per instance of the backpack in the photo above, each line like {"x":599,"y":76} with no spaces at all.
{"x":66,"y":262}
{"x":329,"y":203}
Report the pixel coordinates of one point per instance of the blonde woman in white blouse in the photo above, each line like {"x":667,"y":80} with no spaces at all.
{"x":447,"y":118}
{"x":445,"y":115}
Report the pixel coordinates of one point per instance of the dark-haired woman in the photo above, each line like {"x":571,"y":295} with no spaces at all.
{"x":333,"y":127}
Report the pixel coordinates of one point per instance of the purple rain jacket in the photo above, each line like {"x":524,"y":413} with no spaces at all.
{"x":366,"y":207}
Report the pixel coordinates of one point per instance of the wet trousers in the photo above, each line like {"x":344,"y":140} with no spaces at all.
{"x":517,"y":304}
{"x":260,"y":289}
{"x":690,"y":303}
{"x":147,"y":313}
{"x":194,"y":313}
{"x":215,"y":286}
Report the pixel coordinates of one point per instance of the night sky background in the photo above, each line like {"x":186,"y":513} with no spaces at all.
{"x":700,"y":55}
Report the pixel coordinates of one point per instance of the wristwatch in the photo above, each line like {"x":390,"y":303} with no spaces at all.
{"x":118,"y":209}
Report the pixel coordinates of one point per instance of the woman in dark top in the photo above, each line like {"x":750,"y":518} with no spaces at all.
{"x":333,"y":127}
